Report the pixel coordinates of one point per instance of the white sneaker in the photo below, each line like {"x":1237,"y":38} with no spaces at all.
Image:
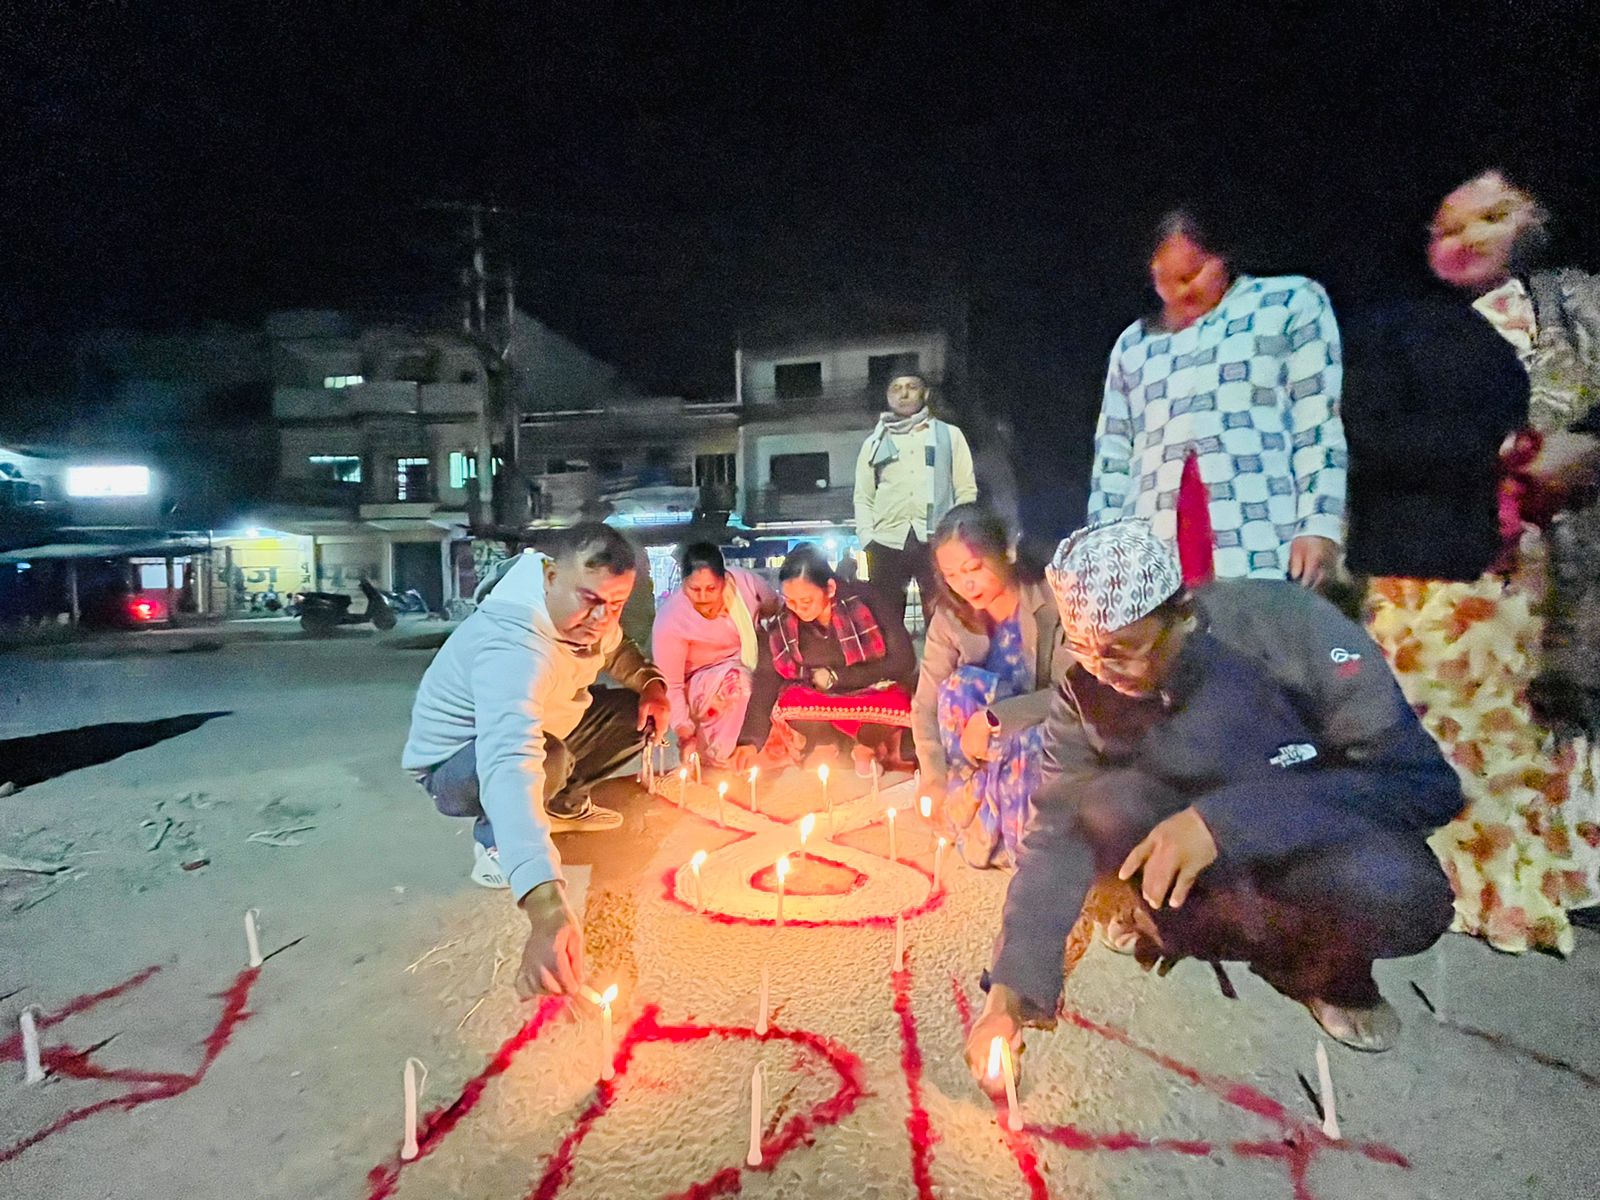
{"x":591,"y":818}
{"x":486,"y":870}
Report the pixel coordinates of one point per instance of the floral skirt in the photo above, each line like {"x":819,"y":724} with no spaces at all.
{"x":1002,"y":788}
{"x":1526,"y":849}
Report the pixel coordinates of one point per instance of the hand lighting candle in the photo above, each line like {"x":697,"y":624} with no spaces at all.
{"x":607,"y":1052}
{"x":1000,"y":1062}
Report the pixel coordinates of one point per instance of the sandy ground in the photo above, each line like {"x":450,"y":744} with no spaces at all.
{"x":1160,"y":1087}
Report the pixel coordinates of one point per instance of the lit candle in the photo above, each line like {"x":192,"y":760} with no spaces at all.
{"x":752,"y":1158}
{"x":753,"y":771}
{"x":1330,"y":1110}
{"x":722,"y":796}
{"x":762,"y":1004}
{"x":694,"y":761}
{"x":938,"y":859}
{"x":683,"y":782}
{"x":607,"y":1071}
{"x":890,"y":814}
{"x":807,"y":824}
{"x":899,"y":943}
{"x":695,"y":863}
{"x":783,"y":873}
{"x":925,"y":807}
{"x":408,"y":1147}
{"x":1000,"y":1062}
{"x":32,"y":1068}
{"x":822,"y":774}
{"x":251,"y":941}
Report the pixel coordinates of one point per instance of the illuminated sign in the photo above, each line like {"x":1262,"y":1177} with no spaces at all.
{"x":107,"y":482}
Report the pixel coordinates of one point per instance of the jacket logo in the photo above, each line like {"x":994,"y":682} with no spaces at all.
{"x":1293,"y":754}
{"x":1346,"y":662}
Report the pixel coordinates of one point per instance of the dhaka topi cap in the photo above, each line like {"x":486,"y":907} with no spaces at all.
{"x":1108,"y":576}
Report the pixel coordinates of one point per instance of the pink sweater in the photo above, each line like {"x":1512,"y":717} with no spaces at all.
{"x":683,"y":641}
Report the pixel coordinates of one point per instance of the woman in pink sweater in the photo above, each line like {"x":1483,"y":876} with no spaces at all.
{"x":705,"y":643}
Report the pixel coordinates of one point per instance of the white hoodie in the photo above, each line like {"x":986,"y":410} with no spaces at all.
{"x":505,"y":678}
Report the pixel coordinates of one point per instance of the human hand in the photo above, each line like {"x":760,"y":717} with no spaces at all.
{"x":959,"y":806}
{"x":977,"y":737}
{"x":1566,"y":461}
{"x":653,"y":706}
{"x":823,"y":679}
{"x":1312,"y":560}
{"x":552,"y":959}
{"x":1172,"y":856}
{"x":1001,"y":1017}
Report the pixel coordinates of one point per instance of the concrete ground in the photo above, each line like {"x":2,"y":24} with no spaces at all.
{"x":263,"y":774}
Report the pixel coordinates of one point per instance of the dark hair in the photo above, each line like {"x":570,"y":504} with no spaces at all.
{"x":702,"y":556}
{"x":984,"y":532}
{"x":806,"y":562}
{"x":1183,"y":222}
{"x":597,"y":546}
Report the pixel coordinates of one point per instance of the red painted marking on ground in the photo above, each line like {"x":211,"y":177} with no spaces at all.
{"x":918,"y":1127}
{"x":1074,"y":1138}
{"x":934,"y":901}
{"x":800,"y":1129}
{"x":433,"y":1127}
{"x":144,"y":1087}
{"x":1017,"y":1142}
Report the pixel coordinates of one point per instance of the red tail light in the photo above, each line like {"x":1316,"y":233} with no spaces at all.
{"x":143,"y":610}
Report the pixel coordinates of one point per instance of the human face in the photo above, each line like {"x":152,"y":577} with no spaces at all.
{"x":705,"y":591}
{"x":585,"y":604}
{"x":969,"y":575}
{"x":1190,"y":280}
{"x":808,"y":601}
{"x":908,"y":395}
{"x":1475,"y":230}
{"x":1136,"y":659}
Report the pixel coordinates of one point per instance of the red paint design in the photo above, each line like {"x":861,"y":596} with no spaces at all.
{"x":800,"y":1129}
{"x":934,"y":901}
{"x":918,"y":1127}
{"x":1019,"y":1145}
{"x":142,"y":1087}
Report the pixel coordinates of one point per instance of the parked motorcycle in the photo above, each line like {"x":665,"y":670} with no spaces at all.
{"x":323,"y":612}
{"x":408,"y":601}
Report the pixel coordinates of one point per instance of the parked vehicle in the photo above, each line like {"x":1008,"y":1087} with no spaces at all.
{"x":323,"y":612}
{"x":408,"y":601}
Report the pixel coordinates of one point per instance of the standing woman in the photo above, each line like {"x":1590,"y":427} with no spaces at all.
{"x":1436,"y":391}
{"x":993,"y":656}
{"x":835,"y":673}
{"x":706,"y":643}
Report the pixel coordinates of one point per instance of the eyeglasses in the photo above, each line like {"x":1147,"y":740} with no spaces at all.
{"x":1119,"y":656}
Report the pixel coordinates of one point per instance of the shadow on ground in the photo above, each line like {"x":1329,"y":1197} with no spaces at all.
{"x":29,"y":760}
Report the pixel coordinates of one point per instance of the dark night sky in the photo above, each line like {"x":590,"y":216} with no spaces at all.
{"x":674,"y":178}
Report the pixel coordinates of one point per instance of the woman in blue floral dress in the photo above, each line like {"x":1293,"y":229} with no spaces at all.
{"x":994,"y":652}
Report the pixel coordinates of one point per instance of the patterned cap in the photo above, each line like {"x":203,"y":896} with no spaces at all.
{"x":1107,"y":576}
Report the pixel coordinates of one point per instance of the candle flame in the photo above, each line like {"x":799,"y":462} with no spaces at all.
{"x":722,"y":789}
{"x":783,"y":866}
{"x":926,"y":805}
{"x":822,"y":772}
{"x":698,"y":860}
{"x":807,"y":824}
{"x":753,"y":773}
{"x":891,"y":811}
{"x":683,"y":773}
{"x":607,"y":996}
{"x":996,"y":1049}
{"x":943,"y":843}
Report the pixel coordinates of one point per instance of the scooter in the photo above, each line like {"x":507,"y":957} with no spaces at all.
{"x":323,"y":612}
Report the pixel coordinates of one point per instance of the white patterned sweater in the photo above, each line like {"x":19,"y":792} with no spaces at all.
{"x":1252,"y":388}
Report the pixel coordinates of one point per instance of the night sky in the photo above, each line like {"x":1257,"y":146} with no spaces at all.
{"x":670,"y":182}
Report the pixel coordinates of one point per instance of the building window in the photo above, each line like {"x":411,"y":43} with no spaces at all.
{"x":411,"y":479}
{"x":799,"y":472}
{"x":336,"y":468}
{"x":463,"y":466}
{"x":338,"y":382}
{"x":797,"y":381}
{"x":715,"y":468}
{"x":882,"y":369}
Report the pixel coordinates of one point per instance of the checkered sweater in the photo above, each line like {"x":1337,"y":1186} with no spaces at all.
{"x":1252,"y":388}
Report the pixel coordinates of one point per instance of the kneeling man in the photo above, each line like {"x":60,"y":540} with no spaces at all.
{"x":1244,"y":757}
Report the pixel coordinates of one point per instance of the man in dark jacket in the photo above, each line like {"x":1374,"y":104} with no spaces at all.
{"x":1244,"y":756}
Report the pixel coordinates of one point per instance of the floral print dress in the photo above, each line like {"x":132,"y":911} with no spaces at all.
{"x":1003,"y":788}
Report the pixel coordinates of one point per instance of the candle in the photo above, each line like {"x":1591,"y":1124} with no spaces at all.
{"x":251,"y":941}
{"x":753,"y":807}
{"x":899,"y":943}
{"x":875,"y":771}
{"x":607,"y":1071}
{"x":408,"y":1147}
{"x":1330,"y":1110}
{"x":822,"y":774}
{"x":925,"y":807}
{"x":1000,"y":1061}
{"x":783,"y":873}
{"x":752,"y":1157}
{"x":695,"y":863}
{"x":694,"y":761}
{"x":890,"y":815}
{"x":722,"y":796}
{"x":938,"y":858}
{"x":762,"y":1004}
{"x":32,"y":1068}
{"x":807,"y":824}
{"x":683,"y":782}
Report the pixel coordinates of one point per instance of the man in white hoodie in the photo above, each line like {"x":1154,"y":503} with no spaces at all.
{"x":508,"y":727}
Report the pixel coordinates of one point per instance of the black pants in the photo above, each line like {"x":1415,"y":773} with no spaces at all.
{"x":605,"y":739}
{"x":892,"y":570}
{"x":1310,"y":923}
